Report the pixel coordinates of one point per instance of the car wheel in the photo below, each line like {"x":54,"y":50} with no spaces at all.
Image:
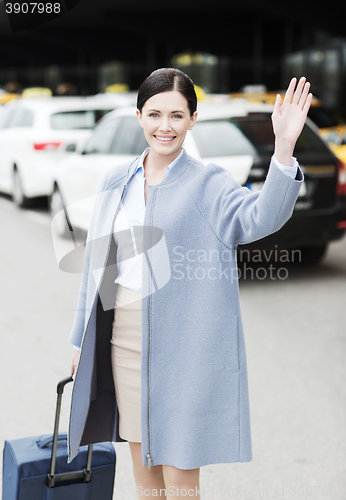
{"x":56,"y":208}
{"x":18,"y":195}
{"x":312,"y":255}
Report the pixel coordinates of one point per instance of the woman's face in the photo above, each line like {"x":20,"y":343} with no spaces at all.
{"x":166,"y":119}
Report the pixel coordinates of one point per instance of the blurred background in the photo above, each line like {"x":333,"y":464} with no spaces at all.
{"x":221,"y":45}
{"x":67,"y":115}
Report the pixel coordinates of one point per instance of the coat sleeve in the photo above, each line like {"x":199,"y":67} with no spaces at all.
{"x":238,"y":215}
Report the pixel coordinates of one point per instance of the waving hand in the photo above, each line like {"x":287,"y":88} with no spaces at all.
{"x":288,"y":118}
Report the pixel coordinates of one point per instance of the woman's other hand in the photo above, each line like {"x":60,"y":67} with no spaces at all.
{"x":74,"y":361}
{"x":288,"y":118}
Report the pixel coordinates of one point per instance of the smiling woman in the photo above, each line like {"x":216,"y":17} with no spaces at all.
{"x":166,"y":109}
{"x":163,"y":366}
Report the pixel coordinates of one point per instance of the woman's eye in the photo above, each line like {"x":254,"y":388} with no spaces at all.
{"x":153,"y":115}
{"x":177,"y":116}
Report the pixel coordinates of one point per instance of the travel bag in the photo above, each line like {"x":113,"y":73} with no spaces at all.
{"x":36,"y":468}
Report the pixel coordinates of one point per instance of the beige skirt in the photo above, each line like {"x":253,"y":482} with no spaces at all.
{"x":126,"y":361}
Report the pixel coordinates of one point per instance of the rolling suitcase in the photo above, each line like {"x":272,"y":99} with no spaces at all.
{"x":36,"y":468}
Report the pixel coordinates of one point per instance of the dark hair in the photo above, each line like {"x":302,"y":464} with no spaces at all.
{"x":165,"y":80}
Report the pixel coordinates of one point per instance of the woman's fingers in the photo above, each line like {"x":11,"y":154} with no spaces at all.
{"x":277,"y":104}
{"x":298,"y":93}
{"x":289,"y":91}
{"x":307,"y":103}
{"x":305,"y":93}
{"x":300,"y":96}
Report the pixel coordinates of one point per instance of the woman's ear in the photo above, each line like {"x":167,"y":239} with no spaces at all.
{"x":193,"y":120}
{"x":139,"y":116}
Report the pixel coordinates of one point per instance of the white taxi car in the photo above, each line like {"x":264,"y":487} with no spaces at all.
{"x":33,"y":129}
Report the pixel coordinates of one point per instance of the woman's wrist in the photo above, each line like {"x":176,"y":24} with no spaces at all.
{"x":283,"y":151}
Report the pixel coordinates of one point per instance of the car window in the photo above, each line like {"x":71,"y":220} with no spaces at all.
{"x":129,"y":139}
{"x":257,"y":127}
{"x":24,"y":118}
{"x":323,"y":118}
{"x":246,"y":135}
{"x":73,"y":120}
{"x":102,"y":138}
{"x":9,"y":118}
{"x":308,"y":141}
{"x":3,"y":116}
{"x":140,"y":143}
{"x":221,"y":138}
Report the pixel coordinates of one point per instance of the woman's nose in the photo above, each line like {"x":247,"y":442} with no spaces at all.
{"x":165,"y":125}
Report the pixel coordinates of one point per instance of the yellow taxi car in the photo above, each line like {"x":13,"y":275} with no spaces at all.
{"x":332,"y":129}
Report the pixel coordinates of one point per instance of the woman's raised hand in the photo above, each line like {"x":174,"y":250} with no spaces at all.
{"x":288,"y":118}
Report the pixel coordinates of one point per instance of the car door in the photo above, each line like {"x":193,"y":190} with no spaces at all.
{"x":7,"y":138}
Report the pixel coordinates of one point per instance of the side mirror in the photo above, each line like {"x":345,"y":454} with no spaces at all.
{"x":71,"y":148}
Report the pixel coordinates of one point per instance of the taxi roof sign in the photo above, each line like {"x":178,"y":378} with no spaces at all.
{"x":117,"y":87}
{"x":33,"y":92}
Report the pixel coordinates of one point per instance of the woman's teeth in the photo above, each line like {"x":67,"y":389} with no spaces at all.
{"x":165,"y":139}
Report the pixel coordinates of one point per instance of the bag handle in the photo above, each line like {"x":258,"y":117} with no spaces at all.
{"x":52,"y":477}
{"x":46,"y":442}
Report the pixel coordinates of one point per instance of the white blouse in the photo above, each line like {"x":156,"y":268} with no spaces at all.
{"x":131,"y":213}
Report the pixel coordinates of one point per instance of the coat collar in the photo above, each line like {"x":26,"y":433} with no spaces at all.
{"x":174,"y":174}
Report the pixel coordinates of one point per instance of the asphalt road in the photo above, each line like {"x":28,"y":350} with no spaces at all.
{"x":295,"y":330}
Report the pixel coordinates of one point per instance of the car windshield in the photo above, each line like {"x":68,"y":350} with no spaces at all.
{"x":323,"y":118}
{"x":76,"y":119}
{"x":246,"y":135}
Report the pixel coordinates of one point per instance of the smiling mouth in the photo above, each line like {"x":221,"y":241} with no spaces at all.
{"x":164,"y":139}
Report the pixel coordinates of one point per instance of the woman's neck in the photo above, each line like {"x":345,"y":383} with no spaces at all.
{"x":155,"y":164}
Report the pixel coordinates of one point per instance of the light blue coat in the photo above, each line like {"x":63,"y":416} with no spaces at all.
{"x":194,"y":390}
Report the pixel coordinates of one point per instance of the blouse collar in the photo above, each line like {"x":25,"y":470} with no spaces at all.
{"x":167,"y":169}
